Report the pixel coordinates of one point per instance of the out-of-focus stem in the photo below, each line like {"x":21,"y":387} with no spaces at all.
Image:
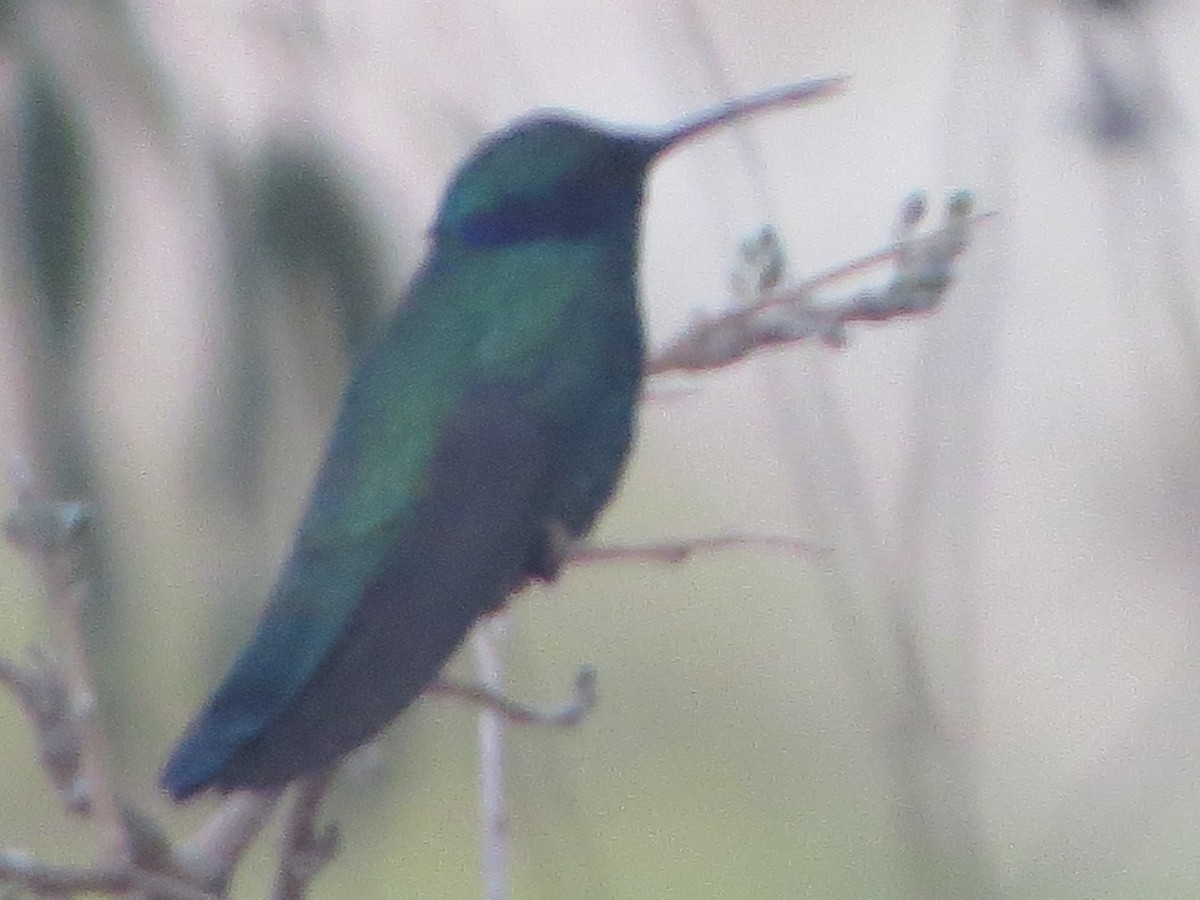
{"x":488,"y":644}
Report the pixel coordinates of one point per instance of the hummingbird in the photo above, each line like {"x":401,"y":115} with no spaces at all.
{"x":477,"y":439}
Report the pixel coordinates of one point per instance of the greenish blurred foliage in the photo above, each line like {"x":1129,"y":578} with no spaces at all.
{"x":8,"y":16}
{"x":298,"y":256}
{"x":310,"y":225}
{"x":56,"y":193}
{"x":301,"y":256}
{"x":56,"y":219}
{"x":52,"y":225}
{"x":56,"y":196}
{"x":235,"y":453}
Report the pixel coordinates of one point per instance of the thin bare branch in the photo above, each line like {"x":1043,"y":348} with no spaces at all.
{"x":488,"y":644}
{"x":49,"y":532}
{"x":788,"y":314}
{"x":568,"y":715}
{"x":59,"y":699}
{"x":683,"y":549}
{"x":303,"y":851}
{"x":21,"y":869}
{"x":210,"y":856}
{"x":42,"y":694}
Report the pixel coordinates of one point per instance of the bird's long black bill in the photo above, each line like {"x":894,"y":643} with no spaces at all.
{"x":798,"y":94}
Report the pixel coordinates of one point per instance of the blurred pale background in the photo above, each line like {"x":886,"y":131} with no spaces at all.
{"x":987,"y":689}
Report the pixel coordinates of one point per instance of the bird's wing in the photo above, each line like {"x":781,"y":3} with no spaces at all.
{"x":417,"y":526}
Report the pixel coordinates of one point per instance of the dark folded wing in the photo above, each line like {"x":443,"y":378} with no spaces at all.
{"x":424,"y":577}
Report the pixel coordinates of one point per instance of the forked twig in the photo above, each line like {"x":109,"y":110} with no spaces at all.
{"x":303,"y":851}
{"x":787,"y":314}
{"x":568,"y":715}
{"x":49,"y":533}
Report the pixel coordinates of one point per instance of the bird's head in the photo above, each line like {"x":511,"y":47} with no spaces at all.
{"x":549,"y":177}
{"x":556,"y":177}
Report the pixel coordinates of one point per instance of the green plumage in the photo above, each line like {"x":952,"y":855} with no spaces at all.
{"x":491,"y":421}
